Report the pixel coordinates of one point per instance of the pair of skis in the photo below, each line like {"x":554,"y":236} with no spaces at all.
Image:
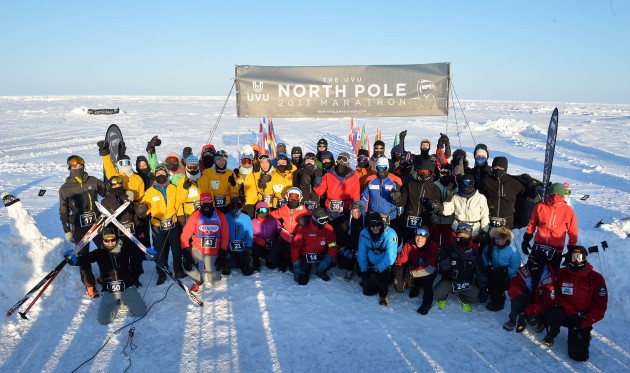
{"x":102,"y":221}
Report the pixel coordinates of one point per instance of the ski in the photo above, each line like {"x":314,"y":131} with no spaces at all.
{"x":550,"y":149}
{"x":133,"y":238}
{"x":102,"y":221}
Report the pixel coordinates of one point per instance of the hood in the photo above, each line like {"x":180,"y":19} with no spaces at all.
{"x":502,"y":232}
{"x":207,"y":146}
{"x":259,"y":205}
{"x":182,"y":168}
{"x":141,"y":158}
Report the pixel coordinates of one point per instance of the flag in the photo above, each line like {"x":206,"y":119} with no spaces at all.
{"x":362,"y":144}
{"x":350,"y":136}
{"x":271,"y":139}
{"x":395,"y":139}
{"x":261,"y":139}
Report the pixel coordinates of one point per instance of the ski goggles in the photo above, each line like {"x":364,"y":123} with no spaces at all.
{"x":171,"y":160}
{"x":577,"y":257}
{"x":445,"y":172}
{"x":422,"y":232}
{"x":263,"y":210}
{"x":381,"y":168}
{"x":464,"y":227}
{"x":467,"y":182}
{"x":115,"y":180}
{"x":375,"y":223}
{"x":124,"y":162}
{"x":75,"y":162}
{"x":362,"y":159}
{"x":161,"y":167}
{"x":309,"y":158}
{"x":424,"y":172}
{"x":343,"y":159}
{"x":193,"y":167}
{"x":294,"y":196}
{"x":263,"y":157}
{"x":246,"y":161}
{"x":321,"y":220}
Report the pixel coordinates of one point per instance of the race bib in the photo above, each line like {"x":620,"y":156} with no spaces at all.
{"x":312,"y":257}
{"x":214,"y":184}
{"x":385,"y":218}
{"x":116,"y":286}
{"x":310,"y":205}
{"x":277,"y":188}
{"x":193,"y":192}
{"x":413,"y":221}
{"x":281,"y":202}
{"x":87,"y":219}
{"x":498,"y":222}
{"x":237,"y":246}
{"x":336,"y":205}
{"x":268,"y":198}
{"x":129,"y":227}
{"x":166,"y":224}
{"x":209,"y":242}
{"x":219,"y":201}
{"x":548,"y":250}
{"x":459,"y":286}
{"x":268,"y":244}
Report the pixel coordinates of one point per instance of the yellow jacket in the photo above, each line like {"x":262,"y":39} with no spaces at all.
{"x":218,"y":184}
{"x":159,"y":208}
{"x":281,"y":184}
{"x":187,"y":200}
{"x":253,"y":194}
{"x":133,"y":182}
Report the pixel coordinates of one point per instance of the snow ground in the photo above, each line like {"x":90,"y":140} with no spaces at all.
{"x":266,"y":322}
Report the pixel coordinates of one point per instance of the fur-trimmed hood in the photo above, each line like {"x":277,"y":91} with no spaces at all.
{"x":501,"y":232}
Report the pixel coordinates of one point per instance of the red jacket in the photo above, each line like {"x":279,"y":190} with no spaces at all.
{"x":207,"y":235}
{"x":310,"y":239}
{"x":543,"y":292}
{"x":552,"y":220}
{"x":290,"y":219}
{"x":583,"y":291}
{"x":419,"y":260}
{"x":346,"y":189}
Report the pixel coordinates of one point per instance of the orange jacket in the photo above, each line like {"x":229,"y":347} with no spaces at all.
{"x":335,"y":187}
{"x":208,"y":235}
{"x":552,"y":220}
{"x":290,"y":219}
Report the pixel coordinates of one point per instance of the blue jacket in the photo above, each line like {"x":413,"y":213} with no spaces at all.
{"x":241,"y":228}
{"x":376,"y":196}
{"x":380,"y":253}
{"x":507,"y":257}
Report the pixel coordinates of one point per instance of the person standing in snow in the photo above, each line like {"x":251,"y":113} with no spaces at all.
{"x":291,"y":216}
{"x":347,"y":228}
{"x":340,"y":186}
{"x":442,"y":231}
{"x":377,"y":195}
{"x":582,"y":300}
{"x":501,"y":261}
{"x":118,"y":285}
{"x":187,"y":199}
{"x":552,"y":221}
{"x":220,"y":181}
{"x":303,"y":179}
{"x":481,"y":168}
{"x":378,"y":247}
{"x":131,"y":180}
{"x":78,"y":212}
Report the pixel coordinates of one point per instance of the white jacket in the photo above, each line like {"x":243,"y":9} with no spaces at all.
{"x":473,"y":210}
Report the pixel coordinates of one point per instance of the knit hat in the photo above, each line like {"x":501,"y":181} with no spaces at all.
{"x":322,"y":142}
{"x":425,"y":140}
{"x":379,"y":143}
{"x":363,"y":152}
{"x":481,"y":150}
{"x":501,"y":162}
{"x":281,"y":145}
{"x":108,"y":232}
{"x":8,"y":199}
{"x":557,"y":188}
{"x":296,"y":150}
{"x":206,"y":198}
{"x":423,"y":164}
{"x":192,"y":160}
{"x":328,"y":155}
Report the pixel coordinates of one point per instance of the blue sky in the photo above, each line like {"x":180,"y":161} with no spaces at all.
{"x":556,"y":51}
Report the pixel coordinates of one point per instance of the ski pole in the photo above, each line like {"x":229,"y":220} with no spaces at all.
{"x":23,"y":314}
{"x":41,"y":283}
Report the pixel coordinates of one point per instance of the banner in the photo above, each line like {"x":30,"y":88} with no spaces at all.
{"x":342,"y":91}
{"x":103,"y":111}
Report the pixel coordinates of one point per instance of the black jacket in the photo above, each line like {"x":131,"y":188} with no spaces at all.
{"x":412,"y":192}
{"x":347,"y":230}
{"x":77,"y":198}
{"x":112,"y":267}
{"x":501,"y":193}
{"x":458,"y":266}
{"x":128,"y":218}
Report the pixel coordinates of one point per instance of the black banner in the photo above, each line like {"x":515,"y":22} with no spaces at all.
{"x":103,"y":111}
{"x":550,"y":150}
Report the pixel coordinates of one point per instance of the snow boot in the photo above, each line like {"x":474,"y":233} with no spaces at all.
{"x":414,"y":292}
{"x":91,"y":292}
{"x":441,"y":304}
{"x":383,"y":301}
{"x":548,"y":340}
{"x":161,"y":279}
{"x":509,"y":325}
{"x":348,"y":276}
{"x":323,"y":276}
{"x":424,"y":309}
{"x":520,"y":323}
{"x":465,"y":306}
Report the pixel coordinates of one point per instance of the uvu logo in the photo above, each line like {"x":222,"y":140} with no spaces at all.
{"x":257,"y":86}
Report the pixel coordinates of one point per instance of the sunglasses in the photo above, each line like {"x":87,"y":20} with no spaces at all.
{"x":321,"y":146}
{"x":445,"y":172}
{"x":246,"y":161}
{"x":263,"y":209}
{"x":109,"y":239}
{"x":116,"y":180}
{"x":124,"y":162}
{"x":424,"y":172}
{"x":192,"y":167}
{"x":75,"y":162}
{"x":422,"y":232}
{"x":374,"y":224}
{"x":294,"y":197}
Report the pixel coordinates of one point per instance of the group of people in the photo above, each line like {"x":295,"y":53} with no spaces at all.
{"x":434,"y":222}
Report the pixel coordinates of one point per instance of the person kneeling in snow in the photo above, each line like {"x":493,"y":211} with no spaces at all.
{"x":582,"y":301}
{"x":118,"y":285}
{"x":461,"y":271}
{"x":378,"y":247}
{"x":313,"y":243}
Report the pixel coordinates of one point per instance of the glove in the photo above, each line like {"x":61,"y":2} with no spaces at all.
{"x":525,"y":245}
{"x":450,"y":193}
{"x":483,"y":236}
{"x":396,"y":195}
{"x":231,"y":180}
{"x":186,"y":152}
{"x":264,"y":179}
{"x":69,"y":237}
{"x":122,"y":148}
{"x":130,"y":196}
{"x":402,"y":135}
{"x":483,"y":296}
{"x":70,"y":257}
{"x":459,"y":169}
{"x":297,"y":270}
{"x":427,"y":203}
{"x":318,"y":172}
{"x":155,"y":141}
{"x":237,"y":172}
{"x":575,"y":320}
{"x":220,"y":263}
{"x":324,"y":264}
{"x":103,"y":148}
{"x":141,"y":210}
{"x":443,"y":140}
{"x":317,"y":180}
{"x":187,"y":183}
{"x":151,"y":254}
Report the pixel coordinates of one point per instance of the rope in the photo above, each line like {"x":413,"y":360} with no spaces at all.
{"x":216,"y":124}
{"x":123,"y":327}
{"x":131,"y":345}
{"x":463,"y":114}
{"x":459,"y":138}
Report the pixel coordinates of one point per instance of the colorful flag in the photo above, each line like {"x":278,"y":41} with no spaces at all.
{"x":395,"y":139}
